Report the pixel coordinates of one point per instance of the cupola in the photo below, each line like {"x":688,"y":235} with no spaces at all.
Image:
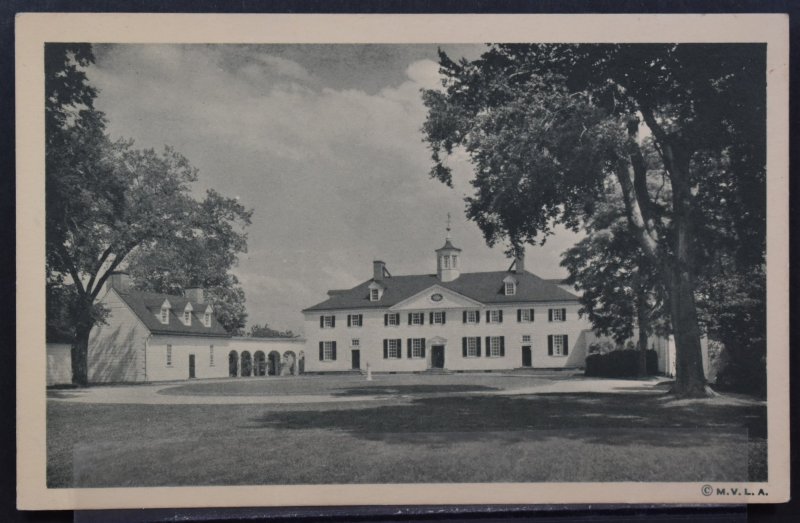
{"x":447,"y":258}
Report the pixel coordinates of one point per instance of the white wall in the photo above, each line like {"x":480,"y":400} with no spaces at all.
{"x":182,"y":347}
{"x":117,"y":348}
{"x":373,"y":332}
{"x":59,"y":364}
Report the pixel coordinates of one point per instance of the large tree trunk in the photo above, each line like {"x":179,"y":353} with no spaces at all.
{"x":689,"y":377}
{"x":643,"y":321}
{"x":80,"y":357}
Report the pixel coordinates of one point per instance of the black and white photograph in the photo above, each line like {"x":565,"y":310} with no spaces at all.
{"x":472,"y":263}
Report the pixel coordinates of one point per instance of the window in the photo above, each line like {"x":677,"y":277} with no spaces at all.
{"x":391,"y":349}
{"x":495,"y":316}
{"x":557,"y":314}
{"x":472,"y":347}
{"x":207,"y":319}
{"x":446,"y":261}
{"x":511,"y":289}
{"x":328,"y":350}
{"x":392,"y":320}
{"x":187,"y":317}
{"x":164,"y":315}
{"x":169,"y":355}
{"x":210,"y":355}
{"x":327,"y":322}
{"x":558,"y":345}
{"x":416,"y":318}
{"x":495,"y":346}
{"x":355,"y":320}
{"x":418,"y":348}
{"x":438,"y":318}
{"x":374,"y":295}
{"x":526,"y":338}
{"x":471,"y":317}
{"x":524,"y":315}
{"x":355,"y":342}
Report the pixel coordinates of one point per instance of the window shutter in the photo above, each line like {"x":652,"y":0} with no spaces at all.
{"x":408,"y":346}
{"x":349,"y":321}
{"x":464,"y":347}
{"x":477,"y":316}
{"x":423,"y":347}
{"x":360,"y":320}
{"x":550,"y":345}
{"x":422,"y":318}
{"x":564,"y":314}
{"x":333,"y":321}
{"x":566,"y":345}
{"x":321,"y":321}
{"x":465,"y":316}
{"x":409,"y":318}
{"x":519,"y":315}
{"x":385,"y":349}
{"x":501,"y":316}
{"x":502,"y":345}
{"x":321,"y":352}
{"x":549,"y":314}
{"x":488,"y":346}
{"x":430,"y":318}
{"x":333,"y":351}
{"x":399,"y":345}
{"x":532,"y":317}
{"x":385,"y":320}
{"x":444,"y":318}
{"x":478,"y":343}
{"x":487,"y":316}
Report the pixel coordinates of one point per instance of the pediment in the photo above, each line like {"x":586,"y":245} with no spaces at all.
{"x":436,"y":297}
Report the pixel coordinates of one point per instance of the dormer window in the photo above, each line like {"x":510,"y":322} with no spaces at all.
{"x":187,"y":314}
{"x":164,"y":316}
{"x":207,"y":316}
{"x":511,"y":289}
{"x":374,"y":295}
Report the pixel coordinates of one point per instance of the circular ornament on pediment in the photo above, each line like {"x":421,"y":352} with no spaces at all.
{"x":436,"y":297}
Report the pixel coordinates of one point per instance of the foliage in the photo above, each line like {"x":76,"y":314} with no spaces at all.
{"x":547,"y":126}
{"x":620,"y":364}
{"x":259,"y":331}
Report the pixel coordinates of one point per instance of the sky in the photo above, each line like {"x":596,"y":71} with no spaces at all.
{"x":323,"y":142}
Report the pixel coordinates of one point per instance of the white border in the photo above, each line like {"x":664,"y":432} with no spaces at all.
{"x":32,"y":30}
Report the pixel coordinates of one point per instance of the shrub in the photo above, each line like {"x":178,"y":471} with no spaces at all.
{"x":619,"y":364}
{"x":601,"y":347}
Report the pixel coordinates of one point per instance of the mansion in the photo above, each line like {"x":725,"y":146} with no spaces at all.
{"x":476,"y":321}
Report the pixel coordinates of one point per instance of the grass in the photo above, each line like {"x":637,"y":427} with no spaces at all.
{"x":630,"y":436}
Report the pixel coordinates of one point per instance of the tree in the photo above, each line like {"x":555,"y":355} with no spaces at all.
{"x":546,"y":125}
{"x":620,"y":287}
{"x":202,"y":256}
{"x":105,"y":200}
{"x":258,"y":331}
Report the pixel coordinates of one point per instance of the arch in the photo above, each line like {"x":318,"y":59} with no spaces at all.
{"x":233,"y":364}
{"x":247,"y":363}
{"x":289,"y":364}
{"x":274,"y":363}
{"x":259,"y":363}
{"x":301,"y":363}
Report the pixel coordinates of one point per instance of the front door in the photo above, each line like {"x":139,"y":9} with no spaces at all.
{"x":356,"y":357}
{"x":437,"y":356}
{"x":191,"y":365}
{"x":526,"y":356}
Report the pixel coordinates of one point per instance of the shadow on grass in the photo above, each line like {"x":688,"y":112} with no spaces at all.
{"x":585,"y":416}
{"x":411,"y":389}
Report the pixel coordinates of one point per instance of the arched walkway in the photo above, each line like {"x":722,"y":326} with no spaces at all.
{"x":247,"y":363}
{"x":274,"y":363}
{"x":289,"y":364}
{"x":233,"y":364}
{"x":259,"y":364}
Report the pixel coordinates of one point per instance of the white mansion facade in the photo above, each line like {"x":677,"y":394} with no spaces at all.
{"x":448,"y":320}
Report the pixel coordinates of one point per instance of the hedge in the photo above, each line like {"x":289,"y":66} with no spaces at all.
{"x":619,"y":364}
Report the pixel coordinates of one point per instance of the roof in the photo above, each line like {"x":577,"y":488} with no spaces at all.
{"x":485,"y":287}
{"x":448,"y":245}
{"x":147,"y":305}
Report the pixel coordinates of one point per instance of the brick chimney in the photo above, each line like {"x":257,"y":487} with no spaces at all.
{"x":120,"y":281}
{"x":378,"y":270}
{"x":519,"y":262}
{"x":195,"y":294}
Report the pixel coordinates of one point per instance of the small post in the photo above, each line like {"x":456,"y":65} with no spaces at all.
{"x":369,"y":373}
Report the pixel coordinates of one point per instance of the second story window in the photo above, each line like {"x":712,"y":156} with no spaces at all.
{"x":472,"y":317}
{"x":391,"y":319}
{"x":494,"y":316}
{"x":557,"y":314}
{"x":438,"y":318}
{"x":416,"y":318}
{"x":327,"y":322}
{"x":355,"y":342}
{"x":355,"y":320}
{"x":169,"y":355}
{"x":210,"y":355}
{"x":524,"y":315}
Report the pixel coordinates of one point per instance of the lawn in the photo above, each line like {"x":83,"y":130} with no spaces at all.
{"x":630,"y":436}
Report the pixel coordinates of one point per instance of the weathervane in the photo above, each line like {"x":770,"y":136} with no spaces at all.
{"x":448,"y":225}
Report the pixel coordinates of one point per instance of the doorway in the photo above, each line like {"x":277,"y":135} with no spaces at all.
{"x":191,"y":366}
{"x":356,"y":359}
{"x":526,"y":356}
{"x":437,"y":357}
